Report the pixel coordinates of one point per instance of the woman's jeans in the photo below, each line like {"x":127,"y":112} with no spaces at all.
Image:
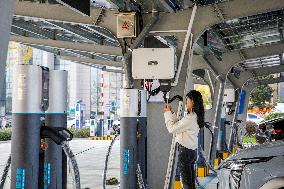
{"x":187,"y":158}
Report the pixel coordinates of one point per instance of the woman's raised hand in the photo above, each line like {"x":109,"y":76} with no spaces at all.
{"x":167,"y":108}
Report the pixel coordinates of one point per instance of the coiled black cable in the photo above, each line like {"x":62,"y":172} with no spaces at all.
{"x":212,"y":136}
{"x":170,"y":100}
{"x":5,"y":172}
{"x":107,"y":158}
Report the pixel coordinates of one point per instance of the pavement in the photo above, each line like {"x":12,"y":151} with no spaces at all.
{"x":209,"y":182}
{"x":91,"y":163}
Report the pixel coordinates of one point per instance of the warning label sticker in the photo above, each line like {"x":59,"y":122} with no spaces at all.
{"x":125,"y":25}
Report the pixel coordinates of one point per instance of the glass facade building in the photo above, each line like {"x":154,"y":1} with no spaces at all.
{"x":84,"y":82}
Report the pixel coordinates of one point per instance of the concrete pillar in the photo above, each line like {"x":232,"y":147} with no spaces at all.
{"x":6,"y":15}
{"x":218,"y":98}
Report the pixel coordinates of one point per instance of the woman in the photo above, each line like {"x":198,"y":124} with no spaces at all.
{"x":186,"y":131}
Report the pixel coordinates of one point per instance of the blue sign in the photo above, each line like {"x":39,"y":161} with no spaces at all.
{"x":20,"y":178}
{"x":78,"y":124}
{"x":78,"y":116}
{"x":125,"y":161}
{"x":72,"y":111}
{"x":242,"y":102}
{"x":46,"y":175}
{"x":108,"y":105}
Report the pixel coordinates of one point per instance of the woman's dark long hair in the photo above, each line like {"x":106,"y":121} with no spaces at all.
{"x":198,"y":107}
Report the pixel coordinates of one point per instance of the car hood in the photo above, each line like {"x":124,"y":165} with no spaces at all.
{"x":264,"y":150}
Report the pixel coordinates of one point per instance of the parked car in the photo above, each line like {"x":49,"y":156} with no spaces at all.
{"x":279,"y":107}
{"x":253,"y":117}
{"x":278,"y":126}
{"x":258,"y":167}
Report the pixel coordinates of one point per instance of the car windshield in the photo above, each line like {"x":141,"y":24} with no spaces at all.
{"x":251,"y":116}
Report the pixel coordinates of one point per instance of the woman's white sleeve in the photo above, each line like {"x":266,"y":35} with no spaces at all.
{"x":175,"y":126}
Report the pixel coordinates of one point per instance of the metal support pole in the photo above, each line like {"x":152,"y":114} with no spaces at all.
{"x":221,"y":143}
{"x":27,"y":113}
{"x":217,"y":118}
{"x":6,"y":15}
{"x":56,"y":116}
{"x":128,"y":137}
{"x":233,"y":134}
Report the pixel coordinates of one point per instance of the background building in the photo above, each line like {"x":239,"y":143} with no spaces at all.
{"x":84,"y":82}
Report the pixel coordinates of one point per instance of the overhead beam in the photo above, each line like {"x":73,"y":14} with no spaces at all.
{"x":269,"y":70}
{"x":77,"y":32}
{"x":233,"y":58}
{"x":101,"y":32}
{"x":262,"y":51}
{"x":166,"y":5}
{"x":206,"y":15}
{"x":31,"y":30}
{"x":118,"y":3}
{"x":92,"y":61}
{"x":250,"y":88}
{"x":101,"y":67}
{"x":56,"y":12}
{"x":200,"y":63}
{"x":113,"y":70}
{"x":269,"y":81}
{"x":69,"y":52}
{"x":89,"y":33}
{"x":28,"y":27}
{"x":245,"y":76}
{"x":100,"y":49}
{"x":59,"y":51}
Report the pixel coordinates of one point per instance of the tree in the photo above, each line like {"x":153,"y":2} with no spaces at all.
{"x":206,"y":94}
{"x":261,"y":96}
